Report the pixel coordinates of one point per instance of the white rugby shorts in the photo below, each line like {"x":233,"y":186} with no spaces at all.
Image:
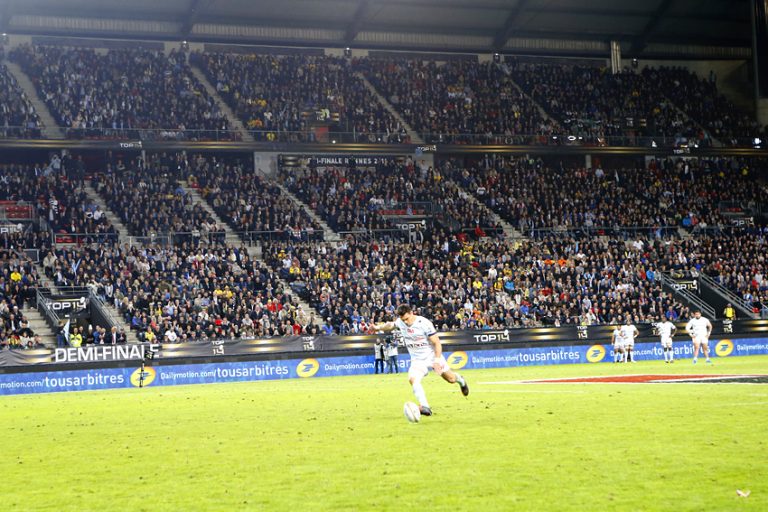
{"x":421,"y":367}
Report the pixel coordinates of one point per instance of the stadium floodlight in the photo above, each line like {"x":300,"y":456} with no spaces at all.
{"x":757,"y":141}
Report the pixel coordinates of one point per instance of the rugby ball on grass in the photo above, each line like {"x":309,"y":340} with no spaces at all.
{"x":412,"y":412}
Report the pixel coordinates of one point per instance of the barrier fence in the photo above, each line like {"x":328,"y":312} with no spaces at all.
{"x":269,"y":347}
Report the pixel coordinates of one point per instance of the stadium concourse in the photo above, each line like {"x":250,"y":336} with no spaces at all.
{"x":597,"y":242}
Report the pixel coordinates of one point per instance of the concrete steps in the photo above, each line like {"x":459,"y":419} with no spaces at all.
{"x":231,"y":237}
{"x":50,"y":129}
{"x":117,"y":318}
{"x":328,"y":233}
{"x":254,"y":251}
{"x":543,"y":113}
{"x":234,"y":122}
{"x":415,"y":137}
{"x":39,"y":326}
{"x":95,"y":198}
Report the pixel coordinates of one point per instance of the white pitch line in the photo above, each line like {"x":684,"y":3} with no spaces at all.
{"x":528,"y":390}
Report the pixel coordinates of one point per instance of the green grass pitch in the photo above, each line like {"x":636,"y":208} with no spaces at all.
{"x":343,"y":444}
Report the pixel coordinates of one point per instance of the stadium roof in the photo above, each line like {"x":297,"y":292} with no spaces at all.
{"x":451,"y":25}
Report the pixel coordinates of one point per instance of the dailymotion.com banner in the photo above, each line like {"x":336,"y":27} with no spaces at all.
{"x":171,"y":375}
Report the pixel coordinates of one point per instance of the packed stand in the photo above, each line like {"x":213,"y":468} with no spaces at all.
{"x":700,"y":99}
{"x":487,"y":284}
{"x":458,"y":102}
{"x":126,"y":93}
{"x":736,"y":259}
{"x":535,"y":197}
{"x":149,"y":197}
{"x":250,"y":204}
{"x":595,"y":106}
{"x":692,"y":193}
{"x":184,"y":293}
{"x":18,"y":118}
{"x":54,"y":190}
{"x":377,"y":197}
{"x":18,"y":283}
{"x":282,"y":98}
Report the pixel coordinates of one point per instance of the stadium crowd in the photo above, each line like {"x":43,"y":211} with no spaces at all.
{"x":535,"y":196}
{"x":249,"y":203}
{"x":373,"y":197}
{"x":284,"y":97}
{"x":458,"y":102}
{"x":17,"y":114}
{"x":192,"y":291}
{"x":150,"y":198}
{"x":54,"y":192}
{"x":18,"y":284}
{"x":485,"y":284}
{"x":700,"y":99}
{"x":603,"y":108}
{"x":125,"y":93}
{"x":199,"y":288}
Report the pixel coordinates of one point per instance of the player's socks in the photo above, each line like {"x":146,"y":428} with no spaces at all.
{"x":421,"y":396}
{"x":462,"y":384}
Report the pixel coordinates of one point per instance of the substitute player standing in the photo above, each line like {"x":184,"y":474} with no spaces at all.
{"x":423,"y":344}
{"x":628,"y":334}
{"x":618,"y":345}
{"x":699,"y":328}
{"x":666,"y":331}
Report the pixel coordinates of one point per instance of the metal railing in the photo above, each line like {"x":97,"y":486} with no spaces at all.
{"x":84,"y":238}
{"x":729,"y":295}
{"x":689,"y":297}
{"x":625,"y":232}
{"x":561,"y":137}
{"x":44,"y":307}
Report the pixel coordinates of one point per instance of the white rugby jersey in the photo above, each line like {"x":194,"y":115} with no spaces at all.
{"x":628,"y":333}
{"x":415,"y":338}
{"x":616,"y":336}
{"x":698,"y":327}
{"x":665,"y":329}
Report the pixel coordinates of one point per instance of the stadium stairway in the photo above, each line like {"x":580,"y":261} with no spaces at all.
{"x":716,"y":143}
{"x":415,"y":137}
{"x":328,"y":233}
{"x":235,"y":121}
{"x":541,"y":110}
{"x":718,"y":295}
{"x":231,"y":237}
{"x":95,"y":198}
{"x":254,"y":250}
{"x":510,"y":232}
{"x":50,"y":129}
{"x":39,"y":326}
